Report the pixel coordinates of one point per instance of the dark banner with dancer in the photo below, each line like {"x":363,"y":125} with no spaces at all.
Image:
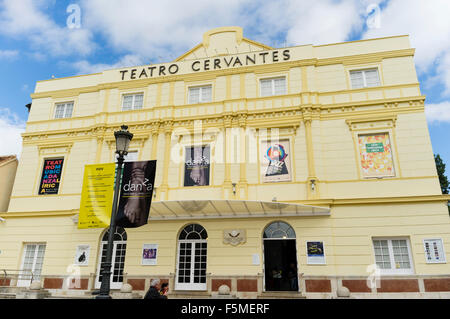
{"x":136,"y":193}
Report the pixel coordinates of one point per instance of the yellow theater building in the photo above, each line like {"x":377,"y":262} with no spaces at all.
{"x":317,"y":173}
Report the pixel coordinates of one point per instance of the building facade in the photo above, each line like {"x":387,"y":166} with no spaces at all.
{"x":290,"y":171}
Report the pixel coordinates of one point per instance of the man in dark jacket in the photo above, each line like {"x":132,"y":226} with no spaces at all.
{"x":153,"y":292}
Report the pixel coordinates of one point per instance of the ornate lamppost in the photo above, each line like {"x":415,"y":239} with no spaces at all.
{"x":123,"y":138}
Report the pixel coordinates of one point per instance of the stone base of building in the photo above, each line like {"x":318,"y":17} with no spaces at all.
{"x":252,"y":287}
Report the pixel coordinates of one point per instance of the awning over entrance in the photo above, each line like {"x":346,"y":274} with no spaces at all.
{"x":208,"y":209}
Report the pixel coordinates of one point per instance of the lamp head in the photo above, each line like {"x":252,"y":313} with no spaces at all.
{"x":123,"y":138}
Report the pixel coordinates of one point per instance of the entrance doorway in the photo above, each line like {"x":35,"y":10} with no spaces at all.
{"x":280,"y":258}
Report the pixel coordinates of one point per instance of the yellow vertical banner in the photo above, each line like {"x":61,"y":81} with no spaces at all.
{"x":97,"y":196}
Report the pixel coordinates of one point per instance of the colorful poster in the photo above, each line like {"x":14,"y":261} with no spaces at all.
{"x":197,"y":166}
{"x":97,"y":196}
{"x":376,"y":155}
{"x":275,"y":161}
{"x":136,"y":192}
{"x":315,"y":252}
{"x":149,"y":254}
{"x":51,"y":176}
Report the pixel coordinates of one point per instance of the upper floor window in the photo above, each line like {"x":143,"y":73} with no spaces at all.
{"x":200,"y":94}
{"x":132,"y":102}
{"x":63,"y":110}
{"x":275,"y":86}
{"x":393,"y":256}
{"x":364,"y":78}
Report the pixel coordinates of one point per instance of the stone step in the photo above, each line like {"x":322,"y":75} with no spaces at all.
{"x":12,"y":289}
{"x":281,"y":295}
{"x":69,"y":297}
{"x":7,"y":296}
{"x":189,"y":295}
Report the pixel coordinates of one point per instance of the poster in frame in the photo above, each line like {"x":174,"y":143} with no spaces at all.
{"x":150,"y":254}
{"x":197,"y":165}
{"x":275,"y":160}
{"x":375,"y":152}
{"x":82,"y":255}
{"x":51,"y":176}
{"x":315,"y":253}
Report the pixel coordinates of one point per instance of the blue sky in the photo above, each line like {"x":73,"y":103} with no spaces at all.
{"x":38,"y":41}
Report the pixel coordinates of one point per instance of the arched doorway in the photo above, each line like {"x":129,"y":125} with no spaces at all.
{"x":191,"y":265}
{"x":118,"y":258}
{"x":280,"y":258}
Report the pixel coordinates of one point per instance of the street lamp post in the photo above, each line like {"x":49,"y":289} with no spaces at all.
{"x":123,"y":138}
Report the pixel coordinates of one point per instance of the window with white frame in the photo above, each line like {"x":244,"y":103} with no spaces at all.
{"x":365,"y":78}
{"x":434,"y":251}
{"x":274,"y":86}
{"x":132,"y":102}
{"x":63,"y":110}
{"x":32,"y":262}
{"x":200,"y":94}
{"x":393,"y":255}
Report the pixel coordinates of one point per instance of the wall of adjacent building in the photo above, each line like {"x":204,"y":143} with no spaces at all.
{"x":8,"y":169}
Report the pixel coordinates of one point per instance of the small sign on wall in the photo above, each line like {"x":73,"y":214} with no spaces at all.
{"x":150,"y":254}
{"x":315,"y":253}
{"x":434,"y":251}
{"x":82,"y":255}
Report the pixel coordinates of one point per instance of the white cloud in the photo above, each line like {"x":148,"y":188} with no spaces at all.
{"x":166,"y":29}
{"x":25,"y":19}
{"x":8,"y":54}
{"x":11,"y":128}
{"x":322,"y":22}
{"x":162,"y":31}
{"x":85,"y":67}
{"x":157,"y":29}
{"x":428,"y":25}
{"x":439,"y":112}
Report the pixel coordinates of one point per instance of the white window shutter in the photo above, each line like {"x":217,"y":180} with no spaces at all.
{"x":127,"y":102}
{"x":372,"y":78}
{"x":69,"y":110}
{"x":280,"y":86}
{"x":194,"y":95}
{"x":206,"y":94}
{"x":138,"y":101}
{"x":357,"y":79}
{"x":266,"y":87}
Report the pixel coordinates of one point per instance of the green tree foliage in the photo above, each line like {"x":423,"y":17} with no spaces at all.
{"x":443,"y":180}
